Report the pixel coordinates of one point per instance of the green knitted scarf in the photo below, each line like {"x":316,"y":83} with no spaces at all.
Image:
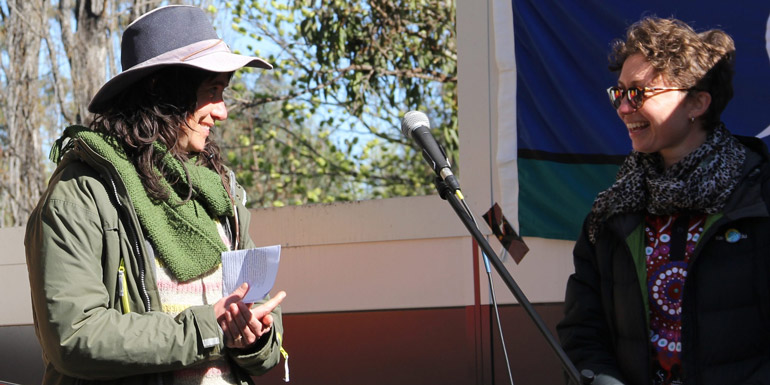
{"x":184,"y":234}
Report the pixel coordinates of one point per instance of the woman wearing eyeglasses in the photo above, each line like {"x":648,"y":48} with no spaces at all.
{"x":672,"y":268}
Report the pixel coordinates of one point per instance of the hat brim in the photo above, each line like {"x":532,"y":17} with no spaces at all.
{"x":217,"y":61}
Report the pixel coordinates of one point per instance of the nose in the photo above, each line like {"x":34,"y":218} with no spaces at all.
{"x":625,"y":107}
{"x":219,"y":112}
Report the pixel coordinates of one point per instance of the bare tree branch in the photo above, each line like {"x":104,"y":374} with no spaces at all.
{"x":23,"y":175}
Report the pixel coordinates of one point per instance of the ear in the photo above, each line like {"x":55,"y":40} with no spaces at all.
{"x":699,"y":103}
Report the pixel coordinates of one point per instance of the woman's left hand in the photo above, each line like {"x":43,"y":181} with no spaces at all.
{"x":244,"y":325}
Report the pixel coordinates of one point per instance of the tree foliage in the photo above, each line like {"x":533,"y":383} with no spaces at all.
{"x":345,"y":73}
{"x":54,"y":55}
{"x":322,"y":126}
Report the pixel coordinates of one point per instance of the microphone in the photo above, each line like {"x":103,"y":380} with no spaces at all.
{"x":416,"y":125}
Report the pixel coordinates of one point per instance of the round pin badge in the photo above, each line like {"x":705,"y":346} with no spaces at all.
{"x":732,"y":235}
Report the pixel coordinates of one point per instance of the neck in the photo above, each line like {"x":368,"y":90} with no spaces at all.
{"x":694,"y":140}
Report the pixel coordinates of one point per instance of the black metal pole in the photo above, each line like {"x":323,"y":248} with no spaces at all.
{"x":454,"y":201}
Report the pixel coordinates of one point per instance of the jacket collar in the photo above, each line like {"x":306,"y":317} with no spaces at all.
{"x":747,"y":199}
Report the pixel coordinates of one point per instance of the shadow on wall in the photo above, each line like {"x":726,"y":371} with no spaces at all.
{"x":455,"y":347}
{"x":21,"y":360}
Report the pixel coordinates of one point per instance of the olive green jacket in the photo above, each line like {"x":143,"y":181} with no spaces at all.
{"x":98,"y":322}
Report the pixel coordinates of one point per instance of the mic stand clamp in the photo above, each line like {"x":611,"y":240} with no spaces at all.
{"x":586,"y":377}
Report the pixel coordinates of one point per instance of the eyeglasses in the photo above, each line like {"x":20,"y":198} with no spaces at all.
{"x":635,"y":95}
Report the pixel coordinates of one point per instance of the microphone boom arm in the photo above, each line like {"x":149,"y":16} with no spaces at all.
{"x":445,"y":192}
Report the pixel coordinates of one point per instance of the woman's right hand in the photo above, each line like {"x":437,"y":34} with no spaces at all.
{"x":243,"y":325}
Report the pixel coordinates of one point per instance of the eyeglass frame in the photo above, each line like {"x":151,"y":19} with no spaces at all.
{"x":624,"y":94}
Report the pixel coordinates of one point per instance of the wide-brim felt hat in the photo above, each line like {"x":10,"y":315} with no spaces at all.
{"x":179,"y":35}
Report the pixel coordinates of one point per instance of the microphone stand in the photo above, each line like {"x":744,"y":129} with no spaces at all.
{"x":585,"y":377}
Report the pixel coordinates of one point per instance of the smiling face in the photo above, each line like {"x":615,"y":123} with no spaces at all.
{"x":209,"y":109}
{"x":663,"y":123}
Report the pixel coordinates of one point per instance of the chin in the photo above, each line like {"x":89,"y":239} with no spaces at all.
{"x":642,"y":148}
{"x":200,"y":148}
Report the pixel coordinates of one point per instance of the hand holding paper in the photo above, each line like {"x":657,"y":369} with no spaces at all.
{"x":247,"y":277}
{"x":243,"y":326}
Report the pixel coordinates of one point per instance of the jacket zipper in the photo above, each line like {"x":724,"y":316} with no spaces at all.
{"x":137,"y":249}
{"x":236,"y":225}
{"x":133,"y":234}
{"x":645,"y":312}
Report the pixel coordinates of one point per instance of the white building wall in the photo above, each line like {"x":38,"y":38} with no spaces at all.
{"x":380,"y":254}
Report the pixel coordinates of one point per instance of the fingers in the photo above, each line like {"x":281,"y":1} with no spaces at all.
{"x":261,"y":320}
{"x":270,"y":305}
{"x":267,"y":321}
{"x":256,"y":326}
{"x":236,"y":296}
{"x":240,"y":292}
{"x":243,"y":325}
{"x":242,"y":321}
{"x":231,"y":334}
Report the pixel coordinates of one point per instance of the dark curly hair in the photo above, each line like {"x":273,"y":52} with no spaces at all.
{"x":154,"y":109}
{"x":697,"y":61}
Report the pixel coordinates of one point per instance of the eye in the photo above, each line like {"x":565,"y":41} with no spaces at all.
{"x":211,"y":93}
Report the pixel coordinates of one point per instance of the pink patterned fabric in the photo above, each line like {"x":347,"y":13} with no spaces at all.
{"x":666,"y":278}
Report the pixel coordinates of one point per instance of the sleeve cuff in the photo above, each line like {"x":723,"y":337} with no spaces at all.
{"x":209,"y":331}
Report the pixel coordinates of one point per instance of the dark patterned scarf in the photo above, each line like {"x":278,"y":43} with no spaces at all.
{"x":700,"y":182}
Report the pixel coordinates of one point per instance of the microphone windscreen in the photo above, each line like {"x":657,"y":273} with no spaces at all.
{"x":412,"y":120}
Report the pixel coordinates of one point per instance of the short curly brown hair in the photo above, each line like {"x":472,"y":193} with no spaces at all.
{"x":698,"y":61}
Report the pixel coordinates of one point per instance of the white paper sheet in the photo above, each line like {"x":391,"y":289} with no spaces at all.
{"x":257,"y":266}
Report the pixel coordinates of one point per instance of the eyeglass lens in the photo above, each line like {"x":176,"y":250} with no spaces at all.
{"x":635,"y":96}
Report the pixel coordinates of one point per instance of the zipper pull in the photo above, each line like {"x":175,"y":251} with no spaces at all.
{"x":285,"y":355}
{"x":121,"y":277}
{"x":122,"y":287}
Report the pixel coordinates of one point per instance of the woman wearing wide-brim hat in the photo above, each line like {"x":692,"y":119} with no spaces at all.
{"x":124,"y":248}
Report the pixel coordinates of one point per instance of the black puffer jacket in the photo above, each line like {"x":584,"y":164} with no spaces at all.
{"x":726,"y":302}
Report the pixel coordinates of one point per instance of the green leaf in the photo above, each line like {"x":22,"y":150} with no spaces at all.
{"x":320,"y":131}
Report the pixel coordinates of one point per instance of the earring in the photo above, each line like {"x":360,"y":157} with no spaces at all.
{"x":692,"y":119}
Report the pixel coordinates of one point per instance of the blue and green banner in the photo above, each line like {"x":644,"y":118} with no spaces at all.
{"x":570,"y":141}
